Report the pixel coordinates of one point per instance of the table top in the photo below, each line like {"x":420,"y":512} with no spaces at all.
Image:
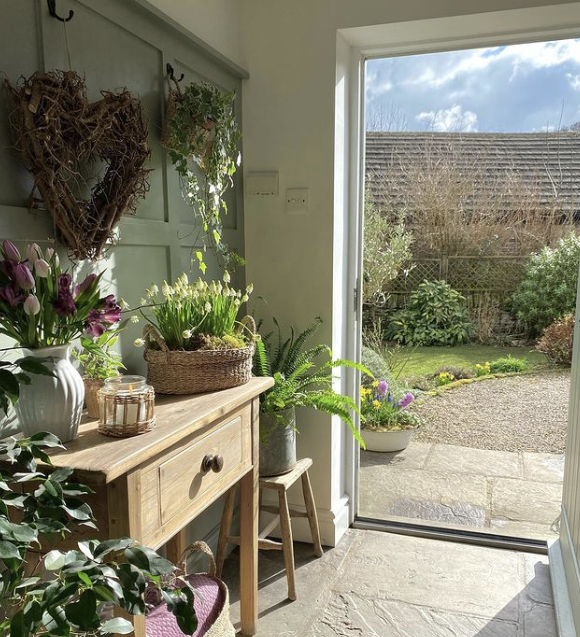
{"x":176,"y":417}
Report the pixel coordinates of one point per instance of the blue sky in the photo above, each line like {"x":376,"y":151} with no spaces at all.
{"x":520,"y":88}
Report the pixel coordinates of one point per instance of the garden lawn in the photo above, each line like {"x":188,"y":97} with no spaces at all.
{"x":425,"y":361}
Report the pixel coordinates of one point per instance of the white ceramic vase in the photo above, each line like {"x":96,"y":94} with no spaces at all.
{"x":52,"y":403}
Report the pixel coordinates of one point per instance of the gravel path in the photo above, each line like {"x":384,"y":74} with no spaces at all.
{"x":518,"y":413}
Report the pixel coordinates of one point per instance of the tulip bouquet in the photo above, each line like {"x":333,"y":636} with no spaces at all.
{"x":382,"y":411}
{"x":40,"y":306}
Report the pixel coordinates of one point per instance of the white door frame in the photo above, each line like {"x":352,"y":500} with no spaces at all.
{"x":354,"y":47}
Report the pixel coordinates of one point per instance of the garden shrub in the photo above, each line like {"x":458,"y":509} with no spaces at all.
{"x":557,"y":340}
{"x":548,"y":288}
{"x":436,"y":315}
{"x":375,"y":363}
{"x":508,"y":365}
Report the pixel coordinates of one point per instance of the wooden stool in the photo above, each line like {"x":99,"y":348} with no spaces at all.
{"x":281,"y":484}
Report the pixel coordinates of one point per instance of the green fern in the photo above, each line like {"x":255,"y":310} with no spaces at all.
{"x":299,"y":379}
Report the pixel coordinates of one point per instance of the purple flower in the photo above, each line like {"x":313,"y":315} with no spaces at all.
{"x":10,"y":296}
{"x":383,"y":387}
{"x":110,"y":311}
{"x":10,"y":251}
{"x":64,"y":305}
{"x":23,"y":276}
{"x":94,"y":328}
{"x":85,"y":284}
{"x":406,"y":400}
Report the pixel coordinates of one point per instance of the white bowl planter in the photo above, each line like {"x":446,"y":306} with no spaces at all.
{"x":387,"y":441}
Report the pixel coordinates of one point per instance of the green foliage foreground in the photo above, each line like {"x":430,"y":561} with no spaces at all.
{"x":40,"y":506}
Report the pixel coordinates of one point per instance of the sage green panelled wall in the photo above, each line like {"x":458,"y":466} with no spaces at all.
{"x":114,"y":44}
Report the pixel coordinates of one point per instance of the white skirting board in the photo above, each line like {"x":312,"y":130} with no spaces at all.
{"x":565,"y":576}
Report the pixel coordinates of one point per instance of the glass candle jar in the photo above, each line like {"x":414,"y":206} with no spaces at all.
{"x":126,"y":406}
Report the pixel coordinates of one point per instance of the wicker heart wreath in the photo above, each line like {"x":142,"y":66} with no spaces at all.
{"x":62,"y":137}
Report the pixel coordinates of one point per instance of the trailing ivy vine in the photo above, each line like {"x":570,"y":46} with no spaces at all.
{"x":201,"y":129}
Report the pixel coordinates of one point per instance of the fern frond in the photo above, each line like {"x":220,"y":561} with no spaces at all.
{"x":295,"y":349}
{"x":261,"y":360}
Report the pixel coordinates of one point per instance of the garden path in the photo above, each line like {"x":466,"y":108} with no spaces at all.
{"x":524,"y":413}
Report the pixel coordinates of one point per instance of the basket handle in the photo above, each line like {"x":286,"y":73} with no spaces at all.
{"x":151,"y":333}
{"x":248,"y":323}
{"x":202,"y":547}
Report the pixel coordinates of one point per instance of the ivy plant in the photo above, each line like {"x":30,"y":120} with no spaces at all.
{"x":59,"y":593}
{"x":201,"y":131}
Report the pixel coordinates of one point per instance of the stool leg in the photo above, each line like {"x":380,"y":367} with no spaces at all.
{"x":225,"y":528}
{"x":287,"y":545}
{"x":311,"y":513}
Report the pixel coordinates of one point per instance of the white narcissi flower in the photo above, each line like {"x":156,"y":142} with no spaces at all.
{"x":152,"y":291}
{"x":250,"y":288}
{"x":124,"y":305}
{"x":134,"y":319}
{"x":186,"y":334}
{"x":227,"y":278}
{"x":208,"y":307}
{"x":139,"y":342}
{"x":245,"y":298}
{"x":143,"y":302}
{"x":237,"y":303}
{"x":183,"y":279}
{"x":178,"y":305}
{"x":167,"y":290}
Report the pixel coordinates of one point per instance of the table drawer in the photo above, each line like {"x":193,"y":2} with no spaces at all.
{"x":182,"y":480}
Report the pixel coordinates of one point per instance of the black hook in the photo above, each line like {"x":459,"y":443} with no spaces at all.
{"x":170,"y":72}
{"x":53,"y":13}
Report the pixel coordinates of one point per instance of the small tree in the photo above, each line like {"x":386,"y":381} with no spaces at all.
{"x":387,"y":249}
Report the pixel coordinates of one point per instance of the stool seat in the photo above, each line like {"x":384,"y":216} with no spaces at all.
{"x":283,"y":513}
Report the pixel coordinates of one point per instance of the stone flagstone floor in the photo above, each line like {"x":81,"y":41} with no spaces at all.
{"x":500,"y":492}
{"x":384,"y":585}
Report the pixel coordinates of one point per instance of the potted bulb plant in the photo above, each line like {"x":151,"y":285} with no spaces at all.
{"x":388,"y":424}
{"x":302,"y":378}
{"x":98,"y":361}
{"x":193,"y":341}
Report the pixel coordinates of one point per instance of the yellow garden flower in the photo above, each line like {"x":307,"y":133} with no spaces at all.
{"x":376,"y":404}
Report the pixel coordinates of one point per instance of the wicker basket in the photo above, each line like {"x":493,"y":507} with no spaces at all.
{"x":92,"y":386}
{"x":181,"y":372}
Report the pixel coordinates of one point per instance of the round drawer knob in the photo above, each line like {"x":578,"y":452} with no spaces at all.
{"x":212,"y":463}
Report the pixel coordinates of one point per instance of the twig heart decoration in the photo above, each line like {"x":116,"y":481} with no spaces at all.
{"x":60,"y":134}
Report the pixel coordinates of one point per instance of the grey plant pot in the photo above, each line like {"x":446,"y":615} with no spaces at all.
{"x":277,"y":442}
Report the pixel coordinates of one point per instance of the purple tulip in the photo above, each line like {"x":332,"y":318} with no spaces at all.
{"x":383,"y":387}
{"x":110,"y":311}
{"x":64,"y":281}
{"x":94,"y":328}
{"x":85,"y":284}
{"x":406,"y":400}
{"x":10,"y":251}
{"x":32,"y":305}
{"x":23,"y":276}
{"x":64,"y":305}
{"x":41,"y":268}
{"x":11,"y":296}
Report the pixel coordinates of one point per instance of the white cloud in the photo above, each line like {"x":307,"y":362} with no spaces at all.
{"x":453,"y":119}
{"x":574,"y":81}
{"x":521,"y":58}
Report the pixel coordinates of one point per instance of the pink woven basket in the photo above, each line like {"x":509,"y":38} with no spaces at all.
{"x":211,"y":603}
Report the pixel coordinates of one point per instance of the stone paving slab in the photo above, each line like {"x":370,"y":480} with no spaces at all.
{"x":544,"y":467}
{"x":384,"y":490}
{"x":454,"y":459}
{"x":452,"y":577}
{"x":350,"y":615}
{"x":525,"y":501}
{"x":413,"y":457}
{"x":384,"y":585}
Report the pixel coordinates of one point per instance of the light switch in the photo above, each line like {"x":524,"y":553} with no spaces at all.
{"x":263,"y":184}
{"x":297,"y":200}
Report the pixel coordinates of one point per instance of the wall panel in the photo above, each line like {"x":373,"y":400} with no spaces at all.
{"x":114,"y":45}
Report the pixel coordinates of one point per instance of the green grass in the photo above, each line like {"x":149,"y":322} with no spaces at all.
{"x":425,"y":361}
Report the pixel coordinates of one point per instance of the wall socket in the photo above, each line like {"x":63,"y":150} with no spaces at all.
{"x":297,"y":200}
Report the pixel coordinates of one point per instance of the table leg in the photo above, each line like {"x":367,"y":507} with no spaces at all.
{"x":175,"y":546}
{"x":249,"y":552}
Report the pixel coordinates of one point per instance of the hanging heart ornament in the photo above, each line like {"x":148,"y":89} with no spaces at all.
{"x":86,"y":160}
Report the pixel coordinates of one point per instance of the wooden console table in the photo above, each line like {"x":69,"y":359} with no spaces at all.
{"x":150,"y":487}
